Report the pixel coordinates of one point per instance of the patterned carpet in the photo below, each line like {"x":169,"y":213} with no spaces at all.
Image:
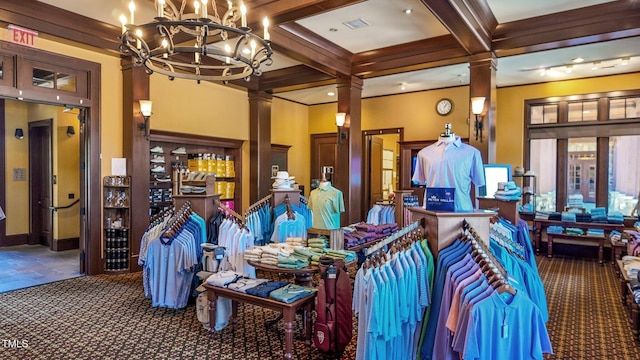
{"x":107,"y":317}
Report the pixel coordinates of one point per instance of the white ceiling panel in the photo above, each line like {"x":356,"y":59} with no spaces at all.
{"x":512,"y":10}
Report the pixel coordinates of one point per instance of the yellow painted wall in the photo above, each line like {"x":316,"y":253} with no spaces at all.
{"x":510,"y":108}
{"x":289,"y":126}
{"x":415,"y":112}
{"x":17,"y":156}
{"x":207,"y":109}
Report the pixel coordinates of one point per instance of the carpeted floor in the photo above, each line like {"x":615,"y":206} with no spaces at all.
{"x":107,"y":317}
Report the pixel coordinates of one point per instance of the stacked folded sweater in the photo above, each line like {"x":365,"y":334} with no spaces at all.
{"x":296,"y":241}
{"x":555,"y":229}
{"x":292,"y":262}
{"x":555,"y":216}
{"x":615,"y":217}
{"x":542,"y":215}
{"x":615,"y":235}
{"x":574,"y":231}
{"x":595,"y":232}
{"x":346,"y":255}
{"x":599,"y":215}
{"x":510,"y":192}
{"x":567,"y":216}
{"x":585,"y":218}
{"x":253,"y":254}
{"x":318,"y":243}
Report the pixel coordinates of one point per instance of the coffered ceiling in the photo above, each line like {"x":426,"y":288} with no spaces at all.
{"x":394,"y":50}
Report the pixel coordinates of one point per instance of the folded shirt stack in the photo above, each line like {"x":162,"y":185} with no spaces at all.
{"x":631,"y":265}
{"x":567,"y":216}
{"x":615,"y":235}
{"x":595,"y":232}
{"x":615,"y":217}
{"x":511,"y":192}
{"x":292,"y":262}
{"x":346,"y":255}
{"x":241,"y":285}
{"x":291,"y":292}
{"x":598,"y":215}
{"x":555,"y":229}
{"x":253,"y":254}
{"x":318,"y":243}
{"x":296,"y":241}
{"x":542,"y":215}
{"x":223,"y":278}
{"x":555,"y":216}
{"x":574,"y":231}
{"x":264,"y":289}
{"x":585,"y":218}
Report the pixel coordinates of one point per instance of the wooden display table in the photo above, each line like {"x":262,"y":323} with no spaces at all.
{"x":542,"y":225}
{"x":288,"y":311}
{"x":301,"y":277}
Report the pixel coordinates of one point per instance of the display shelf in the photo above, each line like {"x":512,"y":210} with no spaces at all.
{"x":528,"y":183}
{"x":117,"y":222}
{"x":197,"y":153}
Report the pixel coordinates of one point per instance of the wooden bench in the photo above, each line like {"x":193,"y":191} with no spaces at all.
{"x":590,"y":238}
{"x":541,"y":225}
{"x":288,"y":311}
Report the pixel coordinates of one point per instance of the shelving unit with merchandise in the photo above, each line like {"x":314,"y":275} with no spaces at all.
{"x":117,"y":222}
{"x":528,"y":185}
{"x":175,"y":157}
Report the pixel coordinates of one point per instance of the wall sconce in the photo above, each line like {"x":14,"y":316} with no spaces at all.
{"x":70,"y":131}
{"x":19,"y":134}
{"x":145,"y":110}
{"x":340,"y":119}
{"x":477,"y":106}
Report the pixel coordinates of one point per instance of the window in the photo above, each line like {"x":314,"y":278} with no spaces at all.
{"x":558,"y":136}
{"x":624,"y":170}
{"x":583,"y":111}
{"x":627,"y":108}
{"x":544,"y":114}
{"x":543,"y":163}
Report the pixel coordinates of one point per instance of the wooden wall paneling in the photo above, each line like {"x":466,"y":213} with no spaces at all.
{"x":602,"y":177}
{"x":324,"y":152}
{"x":561,"y":173}
{"x":259,"y":144}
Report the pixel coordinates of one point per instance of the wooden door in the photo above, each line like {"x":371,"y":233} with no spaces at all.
{"x":375,"y":170}
{"x":40,"y":182}
{"x":324,"y":152}
{"x":582,"y":175}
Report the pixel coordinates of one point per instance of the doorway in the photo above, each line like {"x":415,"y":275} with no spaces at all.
{"x":381,"y":165}
{"x":42,"y":195}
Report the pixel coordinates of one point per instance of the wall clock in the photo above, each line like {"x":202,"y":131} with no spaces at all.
{"x":444,"y":106}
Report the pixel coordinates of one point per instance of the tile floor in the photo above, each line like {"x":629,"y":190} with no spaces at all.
{"x":30,"y":265}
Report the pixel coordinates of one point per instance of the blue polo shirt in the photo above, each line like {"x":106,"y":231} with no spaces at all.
{"x":451,"y":165}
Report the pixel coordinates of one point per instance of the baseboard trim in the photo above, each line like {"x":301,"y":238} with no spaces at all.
{"x":18,"y":239}
{"x":65,"y":244}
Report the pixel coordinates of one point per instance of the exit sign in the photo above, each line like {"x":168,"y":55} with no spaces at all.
{"x":22,"y":36}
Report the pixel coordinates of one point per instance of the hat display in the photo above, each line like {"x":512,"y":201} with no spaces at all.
{"x":519,"y":170}
{"x":530,"y":173}
{"x":283,"y":180}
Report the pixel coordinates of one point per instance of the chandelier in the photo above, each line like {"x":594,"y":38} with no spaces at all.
{"x":197,"y":45}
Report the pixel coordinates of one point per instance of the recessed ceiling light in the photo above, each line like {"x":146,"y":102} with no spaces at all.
{"x":331,"y":93}
{"x":578,"y":60}
{"x":408,"y":11}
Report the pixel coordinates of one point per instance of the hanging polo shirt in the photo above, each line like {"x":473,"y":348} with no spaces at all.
{"x":451,"y":165}
{"x":326,"y":203}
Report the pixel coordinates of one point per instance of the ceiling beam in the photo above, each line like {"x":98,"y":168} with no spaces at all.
{"x":294,"y":78}
{"x":470,"y":22}
{"x":592,"y":24}
{"x":284,"y":11}
{"x":297,"y":42}
{"x":416,"y":55}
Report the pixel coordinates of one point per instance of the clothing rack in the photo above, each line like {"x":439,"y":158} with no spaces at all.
{"x":290,"y":213}
{"x":258,"y":204}
{"x":395,"y":236}
{"x":485,"y":253}
{"x":179,"y":219}
{"x":159,"y":217}
{"x":237,"y":217}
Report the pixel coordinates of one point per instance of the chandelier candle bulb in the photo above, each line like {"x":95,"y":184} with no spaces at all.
{"x":132,"y":9}
{"x":265,"y":23}
{"x":243,"y":12}
{"x":160,"y":8}
{"x":196,"y":7}
{"x":139,"y":35}
{"x":204,"y":9}
{"x":123,"y":21}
